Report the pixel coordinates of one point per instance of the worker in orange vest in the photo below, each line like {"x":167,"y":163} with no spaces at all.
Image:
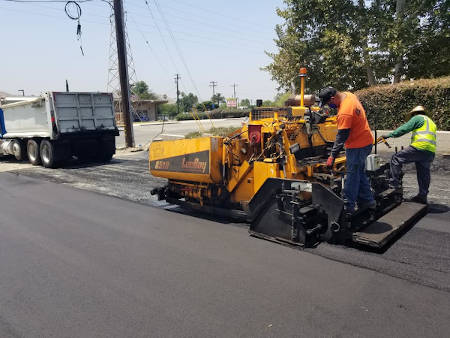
{"x":353,"y":132}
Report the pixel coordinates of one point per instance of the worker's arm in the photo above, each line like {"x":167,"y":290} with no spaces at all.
{"x":414,"y":123}
{"x":341,"y":137}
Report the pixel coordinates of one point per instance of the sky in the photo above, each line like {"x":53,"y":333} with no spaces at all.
{"x":202,"y":40}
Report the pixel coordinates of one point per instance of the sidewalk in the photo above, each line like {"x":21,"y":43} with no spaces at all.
{"x":155,"y":123}
{"x":442,"y":140}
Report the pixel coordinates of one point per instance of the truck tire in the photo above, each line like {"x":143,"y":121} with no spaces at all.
{"x":19,"y":150}
{"x":48,"y":157}
{"x":33,"y":152}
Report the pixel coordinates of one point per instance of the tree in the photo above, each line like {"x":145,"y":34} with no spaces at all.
{"x":417,"y":38}
{"x":142,"y":91}
{"x":245,"y":103}
{"x":218,"y":99}
{"x":167,"y":109}
{"x":188,"y":101}
{"x":352,"y":44}
{"x":281,"y":98}
{"x":205,"y":106}
{"x":267,"y":103}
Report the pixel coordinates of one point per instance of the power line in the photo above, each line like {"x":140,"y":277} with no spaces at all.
{"x":162,"y":37}
{"x":147,"y":43}
{"x":192,"y":14}
{"x":37,"y":1}
{"x":215,"y":28}
{"x":180,"y":54}
{"x":198,"y":39}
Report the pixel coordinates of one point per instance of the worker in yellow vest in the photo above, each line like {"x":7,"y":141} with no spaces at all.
{"x":421,"y":151}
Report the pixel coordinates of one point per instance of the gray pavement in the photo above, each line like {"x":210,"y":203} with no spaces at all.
{"x":442,"y":140}
{"x":79,"y":264}
{"x":127,"y":177}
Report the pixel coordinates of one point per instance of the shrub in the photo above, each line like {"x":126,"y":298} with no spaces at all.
{"x":216,"y":131}
{"x":387,"y":105}
{"x":214,"y":114}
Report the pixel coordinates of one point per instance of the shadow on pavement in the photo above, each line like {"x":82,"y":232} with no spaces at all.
{"x":208,"y":217}
{"x":73,"y":163}
{"x":435,"y":208}
{"x":78,"y":163}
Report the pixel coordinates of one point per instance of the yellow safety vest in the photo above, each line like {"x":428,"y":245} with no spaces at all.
{"x":424,"y":138}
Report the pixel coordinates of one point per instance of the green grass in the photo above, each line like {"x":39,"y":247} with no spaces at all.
{"x":220,"y":131}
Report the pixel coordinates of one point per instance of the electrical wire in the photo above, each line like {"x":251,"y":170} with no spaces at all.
{"x":162,"y":37}
{"x":217,"y":26}
{"x":69,"y":8}
{"x":180,"y":54}
{"x":147,"y":43}
{"x":40,"y":1}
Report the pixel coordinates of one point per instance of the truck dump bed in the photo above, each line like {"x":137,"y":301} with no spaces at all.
{"x":77,"y":112}
{"x":56,"y":114}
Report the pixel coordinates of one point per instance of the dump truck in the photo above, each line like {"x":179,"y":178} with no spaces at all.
{"x":53,"y":127}
{"x":272,"y":173}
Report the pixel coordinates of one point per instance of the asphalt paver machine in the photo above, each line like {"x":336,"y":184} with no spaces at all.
{"x":272,"y":173}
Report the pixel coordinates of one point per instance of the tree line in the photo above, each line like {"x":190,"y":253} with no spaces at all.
{"x":353,"y":44}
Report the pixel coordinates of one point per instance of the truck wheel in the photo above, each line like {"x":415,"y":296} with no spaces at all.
{"x":19,"y":150}
{"x":48,"y":154}
{"x":33,"y":152}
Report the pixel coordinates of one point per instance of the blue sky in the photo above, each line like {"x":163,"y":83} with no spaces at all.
{"x":221,"y":41}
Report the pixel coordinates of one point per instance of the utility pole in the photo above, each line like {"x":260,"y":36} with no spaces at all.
{"x":177,"y":78}
{"x":234,"y":85}
{"x":213,"y":84}
{"x":123,"y":72}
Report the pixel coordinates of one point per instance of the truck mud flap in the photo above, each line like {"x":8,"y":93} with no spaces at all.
{"x":380,"y":232}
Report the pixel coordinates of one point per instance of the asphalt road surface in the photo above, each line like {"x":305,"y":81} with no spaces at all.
{"x":76,"y":263}
{"x":86,"y":251}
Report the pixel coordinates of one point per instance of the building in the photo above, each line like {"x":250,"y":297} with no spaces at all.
{"x":143,"y":110}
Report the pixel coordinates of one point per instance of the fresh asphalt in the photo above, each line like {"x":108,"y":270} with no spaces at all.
{"x":76,"y":263}
{"x":422,"y":255}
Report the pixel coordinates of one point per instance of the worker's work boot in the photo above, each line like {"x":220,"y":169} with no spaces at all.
{"x":348,"y":215}
{"x":371,"y":205}
{"x":419,"y":199}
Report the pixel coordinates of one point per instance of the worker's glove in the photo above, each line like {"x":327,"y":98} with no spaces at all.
{"x":330,"y":162}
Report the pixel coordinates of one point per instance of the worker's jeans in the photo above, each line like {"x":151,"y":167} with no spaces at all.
{"x":423,"y":160}
{"x":357,"y":186}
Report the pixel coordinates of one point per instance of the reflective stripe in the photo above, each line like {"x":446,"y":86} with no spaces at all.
{"x":423,"y":133}
{"x":425,"y":140}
